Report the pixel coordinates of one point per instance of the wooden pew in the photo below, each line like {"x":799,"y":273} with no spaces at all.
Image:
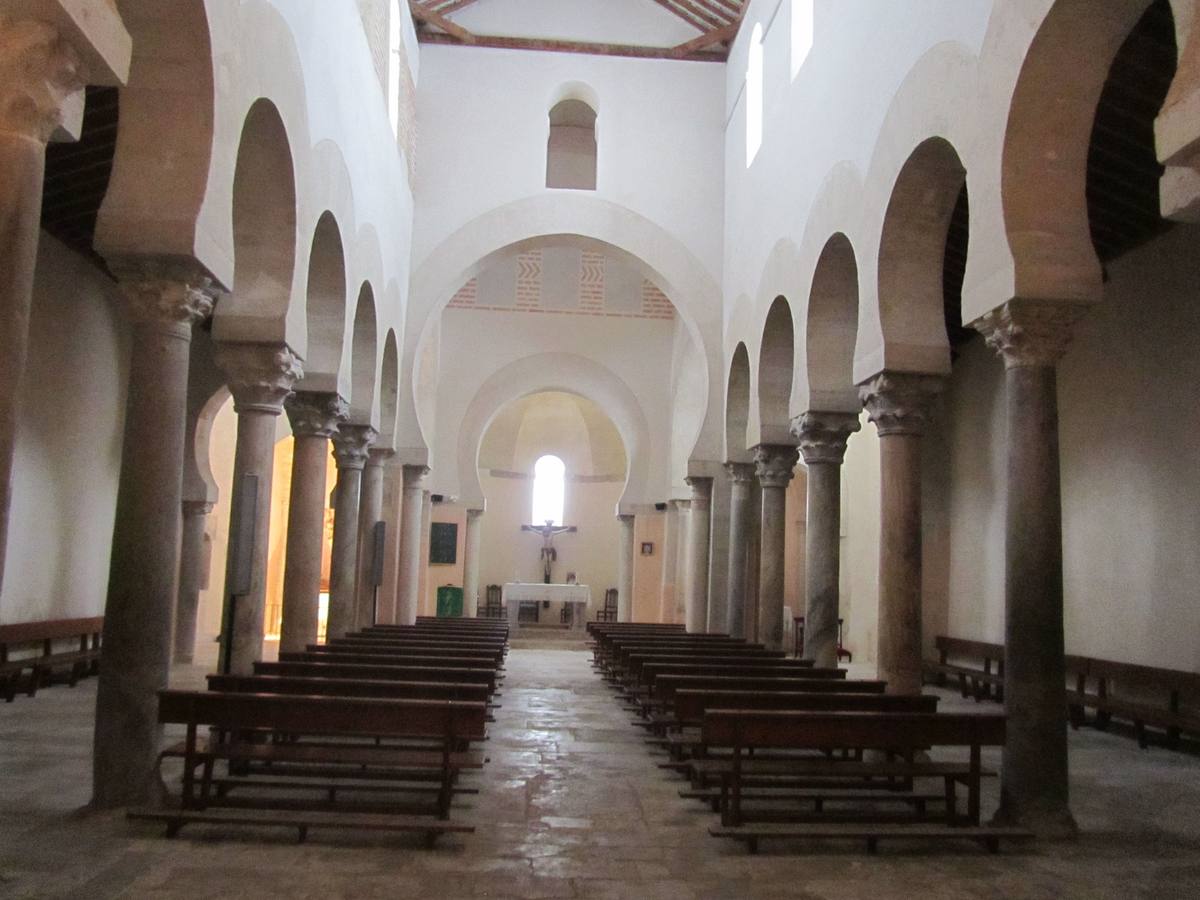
{"x":231,"y":715}
{"x":348,"y":687}
{"x":30,"y":637}
{"x":384,"y":657}
{"x":900,"y":735}
{"x":341,"y":645}
{"x":977,"y":665}
{"x":336,"y":668}
{"x":1142,"y":695}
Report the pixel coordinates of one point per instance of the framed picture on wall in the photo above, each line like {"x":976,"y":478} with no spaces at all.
{"x":443,"y":543}
{"x":647,"y":548}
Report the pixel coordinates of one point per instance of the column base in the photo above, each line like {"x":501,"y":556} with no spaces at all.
{"x":1047,"y":823}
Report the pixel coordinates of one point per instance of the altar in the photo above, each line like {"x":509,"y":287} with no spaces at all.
{"x":578,"y":596}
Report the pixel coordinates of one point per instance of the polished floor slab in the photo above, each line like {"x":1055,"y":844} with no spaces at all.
{"x":573,"y":805}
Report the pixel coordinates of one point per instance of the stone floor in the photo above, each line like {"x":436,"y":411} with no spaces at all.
{"x":572,"y":805}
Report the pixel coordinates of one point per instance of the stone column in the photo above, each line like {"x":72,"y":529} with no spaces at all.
{"x":1031,"y":336}
{"x":741,"y":477}
{"x":697,"y":555}
{"x":823,"y":437}
{"x":393,"y":496}
{"x":683,"y":510}
{"x":471,"y":550}
{"x":315,"y":418}
{"x":192,"y":560}
{"x":143,"y":585}
{"x":351,"y":446}
{"x":900,"y":404}
{"x":370,"y":511}
{"x":753,"y":560}
{"x":666,"y":591}
{"x":261,"y":377}
{"x":717,"y":611}
{"x":42,"y":75}
{"x":625,"y":570}
{"x":775,"y":465}
{"x":410,"y":544}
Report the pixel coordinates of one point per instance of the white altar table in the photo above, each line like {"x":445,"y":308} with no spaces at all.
{"x":578,"y":595}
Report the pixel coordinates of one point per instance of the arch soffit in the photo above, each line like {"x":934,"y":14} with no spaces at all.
{"x":779,"y":282}
{"x":737,"y":406}
{"x":364,"y":358}
{"x":325,"y":301}
{"x":572,"y":374}
{"x":389,"y":391}
{"x":935,"y":100}
{"x":661,"y":257}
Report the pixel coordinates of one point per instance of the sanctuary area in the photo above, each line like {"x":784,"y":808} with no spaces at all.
{"x":599,"y":448}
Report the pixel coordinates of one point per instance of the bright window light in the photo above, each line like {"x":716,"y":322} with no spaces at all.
{"x":802,"y":33}
{"x":754,"y":96}
{"x":549,"y":490}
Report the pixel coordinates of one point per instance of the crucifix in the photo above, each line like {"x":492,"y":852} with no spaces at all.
{"x":549,"y":554}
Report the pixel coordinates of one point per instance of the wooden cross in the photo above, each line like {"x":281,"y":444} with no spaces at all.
{"x":549,"y":554}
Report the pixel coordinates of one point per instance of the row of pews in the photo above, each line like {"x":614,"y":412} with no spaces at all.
{"x":32,"y":654}
{"x":374,"y":731}
{"x":781,"y":749}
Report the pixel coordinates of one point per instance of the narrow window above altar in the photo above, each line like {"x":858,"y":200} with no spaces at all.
{"x":549,"y":490}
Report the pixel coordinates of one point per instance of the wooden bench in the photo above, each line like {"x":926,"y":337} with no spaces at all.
{"x":901,"y":736}
{"x":32,"y":637}
{"x":334,"y":668}
{"x":977,"y":665}
{"x":239,"y":720}
{"x":348,"y":687}
{"x":1142,"y":695}
{"x":344,"y":645}
{"x":385,"y":657}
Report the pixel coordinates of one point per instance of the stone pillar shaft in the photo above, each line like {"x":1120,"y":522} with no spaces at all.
{"x":370,"y":511}
{"x":410,"y":543}
{"x":670,"y":548}
{"x":315,"y":419}
{"x":192,"y":560}
{"x":471,"y":550}
{"x":823,"y":439}
{"x":350,"y":448}
{"x":144,"y":567}
{"x":753,"y":561}
{"x":741,"y":478}
{"x":46,"y":75}
{"x":683,"y":510}
{"x":899,"y":405}
{"x":393,"y":499}
{"x":625,"y":559}
{"x":260,"y":378}
{"x":775,"y":466}
{"x":1034,"y":788}
{"x":697,"y":555}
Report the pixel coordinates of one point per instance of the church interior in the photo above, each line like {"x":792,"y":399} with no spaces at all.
{"x":599,"y":448}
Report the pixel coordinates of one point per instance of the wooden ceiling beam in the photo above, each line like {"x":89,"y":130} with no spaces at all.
{"x":558,"y":46}
{"x":445,"y":7}
{"x":735,"y":7}
{"x":716,"y":36}
{"x":702,"y":12}
{"x":429,"y":17}
{"x":722,"y":12}
{"x":680,"y":13}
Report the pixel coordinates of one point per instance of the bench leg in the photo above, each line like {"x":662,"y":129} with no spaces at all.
{"x":303,"y":833}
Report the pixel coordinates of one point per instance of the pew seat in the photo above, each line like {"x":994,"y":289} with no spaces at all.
{"x":38,"y":659}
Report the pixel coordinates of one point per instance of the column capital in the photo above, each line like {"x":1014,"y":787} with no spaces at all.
{"x":1030,"y":332}
{"x":378,"y":456}
{"x":197,"y":507}
{"x":774,"y":464}
{"x":625,"y":518}
{"x":41,"y":73}
{"x":352,"y":445}
{"x":823,"y":435}
{"x":414,"y":475}
{"x":701,"y":491}
{"x":900,"y":402}
{"x":316,"y":414}
{"x":169,"y":295}
{"x":260,"y":376}
{"x":474,"y":513}
{"x":740,"y":473}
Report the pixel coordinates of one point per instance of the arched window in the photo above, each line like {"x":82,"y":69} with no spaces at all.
{"x":802,"y":33}
{"x":571,"y":150}
{"x":754,"y":96}
{"x":549,"y":490}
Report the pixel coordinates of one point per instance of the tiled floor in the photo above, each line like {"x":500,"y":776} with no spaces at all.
{"x":572,"y":805}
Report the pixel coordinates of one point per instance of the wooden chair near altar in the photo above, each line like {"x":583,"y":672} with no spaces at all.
{"x":609,"y":611}
{"x":798,"y":640}
{"x":492,"y":607}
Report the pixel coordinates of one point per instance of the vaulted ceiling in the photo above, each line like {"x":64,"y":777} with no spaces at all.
{"x":715,"y":23}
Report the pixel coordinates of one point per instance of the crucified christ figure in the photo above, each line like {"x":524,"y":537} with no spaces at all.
{"x":549,"y":554}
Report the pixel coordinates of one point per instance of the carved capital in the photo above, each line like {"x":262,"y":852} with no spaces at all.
{"x":1030,"y":332}
{"x":823,"y":435}
{"x":352,"y":445}
{"x":900,"y":402}
{"x":196,"y":508}
{"x":473,"y":514}
{"x":775,"y":464}
{"x":166,"y":295}
{"x":414,"y":476}
{"x":740,"y":473}
{"x":316,"y":414}
{"x":39,"y":73}
{"x":260,"y":376}
{"x":378,"y":456}
{"x":701,"y":492}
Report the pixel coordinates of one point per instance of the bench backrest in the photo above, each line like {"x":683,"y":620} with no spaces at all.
{"x":890,"y":731}
{"x":53,"y":630}
{"x":690,"y":705}
{"x":325,"y":715}
{"x":377,"y":672}
{"x":651,"y":672}
{"x":665,"y":686}
{"x":384,"y":657}
{"x":347,"y":687}
{"x":961,"y":646}
{"x":405,"y":648}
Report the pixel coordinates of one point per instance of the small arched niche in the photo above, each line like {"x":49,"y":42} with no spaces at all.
{"x":571,"y":149}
